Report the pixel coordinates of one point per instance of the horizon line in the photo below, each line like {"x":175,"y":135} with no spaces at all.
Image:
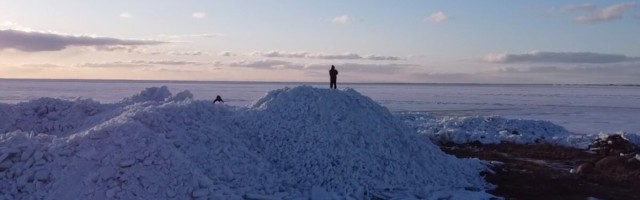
{"x":304,"y":82}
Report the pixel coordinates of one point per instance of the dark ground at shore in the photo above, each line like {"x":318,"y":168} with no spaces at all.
{"x":543,"y":172}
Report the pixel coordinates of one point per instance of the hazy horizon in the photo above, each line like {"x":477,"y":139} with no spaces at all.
{"x":538,"y":42}
{"x":301,"y":82}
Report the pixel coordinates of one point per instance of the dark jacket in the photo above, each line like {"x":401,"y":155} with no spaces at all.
{"x":333,"y":73}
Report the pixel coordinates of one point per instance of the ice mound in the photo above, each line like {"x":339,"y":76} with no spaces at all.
{"x":344,"y":142}
{"x":151,"y":94}
{"x":492,"y":130}
{"x":294,"y":143}
{"x":53,"y":116}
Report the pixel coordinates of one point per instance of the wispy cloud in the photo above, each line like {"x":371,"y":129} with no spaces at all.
{"x":580,"y":7}
{"x":613,"y":69}
{"x":226,"y":53}
{"x":438,"y":17}
{"x":559,"y":57}
{"x":344,"y":56}
{"x":606,"y":14}
{"x":184,"y":36}
{"x":265,"y":64}
{"x":359,"y":68}
{"x":32,"y":41}
{"x":185,"y":53}
{"x":199,"y":15}
{"x":42,"y":65}
{"x":125,"y":15}
{"x":143,"y":63}
{"x":344,"y":19}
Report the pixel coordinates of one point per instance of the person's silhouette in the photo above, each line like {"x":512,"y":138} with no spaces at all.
{"x":218,"y":99}
{"x":333,"y":75}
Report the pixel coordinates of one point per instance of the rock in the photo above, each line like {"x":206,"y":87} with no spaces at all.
{"x":584,"y":169}
{"x":127,"y":163}
{"x":612,"y":164}
{"x":200,"y":193}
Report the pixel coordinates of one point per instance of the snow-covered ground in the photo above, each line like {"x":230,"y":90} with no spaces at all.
{"x":292,"y":143}
{"x":578,"y":108}
{"x":88,"y":140}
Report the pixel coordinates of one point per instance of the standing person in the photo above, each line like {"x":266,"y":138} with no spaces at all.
{"x":218,"y":99}
{"x":333,"y":74}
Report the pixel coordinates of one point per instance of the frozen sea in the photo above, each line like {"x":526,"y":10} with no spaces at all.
{"x":582,"y":109}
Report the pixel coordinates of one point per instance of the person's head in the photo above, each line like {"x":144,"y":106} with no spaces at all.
{"x":333,"y":67}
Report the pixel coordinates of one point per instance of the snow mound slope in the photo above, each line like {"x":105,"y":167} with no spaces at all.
{"x":345,"y":142}
{"x":293,"y":143}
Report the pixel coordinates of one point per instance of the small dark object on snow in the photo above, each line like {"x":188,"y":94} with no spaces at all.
{"x":514,"y":132}
{"x":218,"y":99}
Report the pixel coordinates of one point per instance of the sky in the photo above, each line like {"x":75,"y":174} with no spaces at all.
{"x":410,"y":41}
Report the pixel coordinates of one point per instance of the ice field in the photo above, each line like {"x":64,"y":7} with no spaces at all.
{"x":581,"y":109}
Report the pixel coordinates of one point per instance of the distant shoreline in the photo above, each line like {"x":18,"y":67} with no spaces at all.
{"x":294,"y":82}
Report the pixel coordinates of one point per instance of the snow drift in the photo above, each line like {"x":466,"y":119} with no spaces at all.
{"x":292,"y":143}
{"x":494,"y":130}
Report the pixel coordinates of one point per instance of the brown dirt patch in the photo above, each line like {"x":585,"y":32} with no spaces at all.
{"x":543,"y":172}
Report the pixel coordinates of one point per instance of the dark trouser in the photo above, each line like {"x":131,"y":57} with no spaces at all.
{"x":332,"y":84}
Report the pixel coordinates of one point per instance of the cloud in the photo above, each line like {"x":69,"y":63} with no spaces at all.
{"x":185,"y":53}
{"x":125,"y":15}
{"x":619,"y":73}
{"x":42,"y":66}
{"x":198,"y":15}
{"x":345,"y":56}
{"x":32,"y":41}
{"x":610,"y":13}
{"x":438,"y":18}
{"x":144,"y":63}
{"x":182,"y":36}
{"x":226,"y":53}
{"x":580,"y":7}
{"x":559,"y":57}
{"x":344,"y":19}
{"x":359,"y":68}
{"x":266,"y":64}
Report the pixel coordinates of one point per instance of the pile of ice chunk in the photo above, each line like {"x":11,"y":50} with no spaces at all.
{"x":294,"y":143}
{"x":495,"y":129}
